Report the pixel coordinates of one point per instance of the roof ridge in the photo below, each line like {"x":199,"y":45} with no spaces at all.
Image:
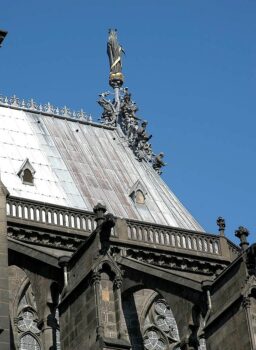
{"x":48,"y":109}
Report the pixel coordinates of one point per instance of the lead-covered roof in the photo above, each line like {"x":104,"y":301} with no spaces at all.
{"x":78,"y":164}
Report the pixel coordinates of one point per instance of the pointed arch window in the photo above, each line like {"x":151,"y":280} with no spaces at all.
{"x":26,"y":173}
{"x":28,"y":342}
{"x":160,"y":328}
{"x":27,"y":321}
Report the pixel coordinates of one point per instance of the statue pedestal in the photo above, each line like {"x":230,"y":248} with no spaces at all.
{"x":116,"y":80}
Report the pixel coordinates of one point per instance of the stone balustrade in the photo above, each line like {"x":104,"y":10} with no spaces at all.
{"x":50,"y":214}
{"x":174,"y":238}
{"x":80,"y":221}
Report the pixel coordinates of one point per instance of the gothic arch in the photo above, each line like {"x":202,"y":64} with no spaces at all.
{"x":159,"y":326}
{"x":109,"y":266}
{"x":147,"y":305}
{"x":18,"y":280}
{"x":23,"y":311}
{"x":148,"y":312}
{"x":29,"y":341}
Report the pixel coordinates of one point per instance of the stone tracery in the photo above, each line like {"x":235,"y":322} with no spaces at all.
{"x":160,"y":328}
{"x":27,"y":321}
{"x":153,"y":340}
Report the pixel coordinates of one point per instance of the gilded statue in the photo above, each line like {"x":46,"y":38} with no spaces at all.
{"x":114,"y":50}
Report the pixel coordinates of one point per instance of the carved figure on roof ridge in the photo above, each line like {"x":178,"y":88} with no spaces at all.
{"x":141,"y":140}
{"x":109,"y":114}
{"x":128,"y":107}
{"x":158,"y":163}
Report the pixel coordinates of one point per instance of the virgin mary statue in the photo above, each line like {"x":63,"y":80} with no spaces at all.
{"x":114,"y":51}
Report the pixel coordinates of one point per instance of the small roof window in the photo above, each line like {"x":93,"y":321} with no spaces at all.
{"x":26,"y":173}
{"x":138,"y":193}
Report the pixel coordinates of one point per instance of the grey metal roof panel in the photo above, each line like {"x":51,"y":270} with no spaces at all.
{"x":79,"y":164}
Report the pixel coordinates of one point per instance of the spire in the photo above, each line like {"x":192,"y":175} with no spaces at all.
{"x":121,"y":112}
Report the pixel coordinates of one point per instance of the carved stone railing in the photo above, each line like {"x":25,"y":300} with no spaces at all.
{"x":234,"y":250}
{"x":169,"y":237}
{"x":49,"y":214}
{"x":82,"y":222}
{"x":49,"y":109}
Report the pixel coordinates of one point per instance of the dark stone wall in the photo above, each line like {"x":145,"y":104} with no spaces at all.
{"x":228,"y":286}
{"x":228,"y":327}
{"x":182,"y":299}
{"x":135,"y":307}
{"x":253,"y":318}
{"x":183,"y":310}
{"x":4,"y":284}
{"x":78,"y":320}
{"x":230,"y":332}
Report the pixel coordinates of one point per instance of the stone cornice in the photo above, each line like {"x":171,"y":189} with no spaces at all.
{"x":156,"y":257}
{"x":170,"y":260}
{"x":44,"y":238}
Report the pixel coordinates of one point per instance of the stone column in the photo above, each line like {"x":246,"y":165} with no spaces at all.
{"x":118,"y":300}
{"x":46,"y":304}
{"x":96,"y":285}
{"x":48,"y":327}
{"x":223,"y":240}
{"x":4,"y":286}
{"x":246,"y":307}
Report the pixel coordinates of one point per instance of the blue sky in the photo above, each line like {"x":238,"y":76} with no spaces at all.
{"x":191,"y":67}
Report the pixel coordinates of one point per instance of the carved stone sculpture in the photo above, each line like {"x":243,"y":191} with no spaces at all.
{"x":121,"y":112}
{"x":242,"y":233}
{"x":128,"y":107}
{"x":109,"y":114}
{"x":140,"y":142}
{"x":221,"y":223}
{"x":158,"y":163}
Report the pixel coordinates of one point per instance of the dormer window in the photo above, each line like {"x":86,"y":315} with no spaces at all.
{"x":138,"y":193}
{"x":139,"y":197}
{"x":28,"y":177}
{"x":26,"y":173}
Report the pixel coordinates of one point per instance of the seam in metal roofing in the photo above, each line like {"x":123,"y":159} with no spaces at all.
{"x":80,"y":164}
